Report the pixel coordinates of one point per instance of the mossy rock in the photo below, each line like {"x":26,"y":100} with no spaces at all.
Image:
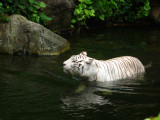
{"x":20,"y":35}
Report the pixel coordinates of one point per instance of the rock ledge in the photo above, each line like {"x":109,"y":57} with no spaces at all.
{"x":20,"y":35}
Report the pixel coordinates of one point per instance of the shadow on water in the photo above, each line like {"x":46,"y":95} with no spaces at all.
{"x":35,"y":88}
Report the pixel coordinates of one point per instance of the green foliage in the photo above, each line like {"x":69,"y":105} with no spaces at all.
{"x":82,"y":12}
{"x":121,"y":10}
{"x":1,"y":8}
{"x":153,"y":118}
{"x":2,"y":16}
{"x":28,"y":8}
{"x":112,"y":11}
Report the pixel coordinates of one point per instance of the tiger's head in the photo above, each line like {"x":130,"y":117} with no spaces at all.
{"x":77,"y":64}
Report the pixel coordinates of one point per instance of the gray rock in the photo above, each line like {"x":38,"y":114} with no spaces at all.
{"x":22,"y":35}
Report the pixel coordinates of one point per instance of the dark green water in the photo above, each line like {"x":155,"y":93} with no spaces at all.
{"x":35,"y":88}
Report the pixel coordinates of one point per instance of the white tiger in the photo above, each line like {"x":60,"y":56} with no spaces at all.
{"x":103,"y":70}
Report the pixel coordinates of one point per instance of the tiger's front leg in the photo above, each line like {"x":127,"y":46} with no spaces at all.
{"x":98,"y":76}
{"x":103,"y":76}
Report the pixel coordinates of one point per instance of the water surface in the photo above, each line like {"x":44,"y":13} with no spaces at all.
{"x":35,"y":88}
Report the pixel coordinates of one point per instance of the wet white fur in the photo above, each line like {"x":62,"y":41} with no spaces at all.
{"x":103,"y":70}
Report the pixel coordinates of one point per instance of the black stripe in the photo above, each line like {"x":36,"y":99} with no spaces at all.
{"x":114,"y":61}
{"x":120,"y":69}
{"x":129,"y":65}
{"x":124,"y":66}
{"x":82,"y":69}
{"x":109,"y":72}
{"x":96,"y":63}
{"x":113,"y":70}
{"x":132,"y":65}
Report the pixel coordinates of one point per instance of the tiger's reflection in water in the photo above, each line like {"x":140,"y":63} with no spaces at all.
{"x":85,"y":98}
{"x":99,"y":93}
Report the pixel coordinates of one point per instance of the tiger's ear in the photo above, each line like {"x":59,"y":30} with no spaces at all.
{"x":89,"y":61}
{"x":83,"y":53}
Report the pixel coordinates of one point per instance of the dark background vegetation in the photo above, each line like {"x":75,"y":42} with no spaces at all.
{"x":110,"y":11}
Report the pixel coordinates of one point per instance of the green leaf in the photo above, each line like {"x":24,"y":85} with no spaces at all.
{"x":35,"y":11}
{"x":37,"y":7}
{"x":81,"y":1}
{"x":77,"y":11}
{"x":92,"y":13}
{"x":147,"y":7}
{"x":36,"y":3}
{"x":41,"y":4}
{"x":80,"y":18}
{"x":90,"y":7}
{"x":31,"y":1}
{"x":146,"y":2}
{"x":86,"y":12}
{"x":45,"y":17}
{"x":1,"y":4}
{"x":73,"y":21}
{"x":72,"y":26}
{"x":146,"y":13}
{"x":88,"y":2}
{"x":83,"y":23}
{"x":113,"y":4}
{"x":21,"y":6}
{"x":82,"y":6}
{"x":8,"y":6}
{"x":102,"y":17}
{"x":121,"y":0}
{"x":37,"y":18}
{"x":147,"y":119}
{"x":30,"y":8}
{"x":34,"y":15}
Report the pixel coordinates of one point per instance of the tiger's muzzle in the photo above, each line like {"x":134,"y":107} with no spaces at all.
{"x":67,"y":68}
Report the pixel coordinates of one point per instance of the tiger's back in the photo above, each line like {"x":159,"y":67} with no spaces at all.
{"x":120,"y":68}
